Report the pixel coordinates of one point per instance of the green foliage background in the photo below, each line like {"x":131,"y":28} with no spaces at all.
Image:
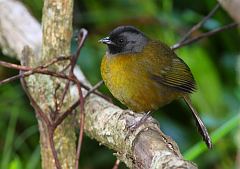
{"x":214,"y":61}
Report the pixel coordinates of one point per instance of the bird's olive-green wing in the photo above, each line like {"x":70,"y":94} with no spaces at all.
{"x":174,"y":72}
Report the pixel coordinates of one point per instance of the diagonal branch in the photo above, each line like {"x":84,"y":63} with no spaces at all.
{"x":204,"y":35}
{"x":199,"y":24}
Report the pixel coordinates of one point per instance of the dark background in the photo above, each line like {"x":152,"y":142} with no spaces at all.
{"x":214,"y":61}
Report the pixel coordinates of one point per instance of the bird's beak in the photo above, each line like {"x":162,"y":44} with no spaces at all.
{"x":107,"y":41}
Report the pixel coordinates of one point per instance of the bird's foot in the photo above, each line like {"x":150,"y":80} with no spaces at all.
{"x":137,"y":124}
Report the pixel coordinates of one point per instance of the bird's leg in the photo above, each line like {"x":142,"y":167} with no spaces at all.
{"x":140,"y":122}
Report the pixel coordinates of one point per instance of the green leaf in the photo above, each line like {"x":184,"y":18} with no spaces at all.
{"x":217,"y":135}
{"x":15,"y":164}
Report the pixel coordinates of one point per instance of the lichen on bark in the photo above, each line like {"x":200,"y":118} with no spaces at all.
{"x":57,"y":32}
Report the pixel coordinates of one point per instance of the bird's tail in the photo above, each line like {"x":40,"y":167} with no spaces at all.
{"x":200,"y":125}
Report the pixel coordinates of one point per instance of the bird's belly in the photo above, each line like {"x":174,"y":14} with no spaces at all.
{"x":134,"y":88}
{"x":139,"y":96}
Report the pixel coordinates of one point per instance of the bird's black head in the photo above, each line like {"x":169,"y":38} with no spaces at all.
{"x":125,"y":39}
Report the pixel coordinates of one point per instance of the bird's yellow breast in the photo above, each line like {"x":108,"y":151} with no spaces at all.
{"x":127,"y":76}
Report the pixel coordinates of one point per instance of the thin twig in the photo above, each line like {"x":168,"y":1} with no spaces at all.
{"x":56,"y":104}
{"x":81,"y":39}
{"x":55,"y":60}
{"x":14,"y":66}
{"x":45,"y":119}
{"x":11,"y":79}
{"x":82,"y":116}
{"x":207,"y":34}
{"x":65,"y":114}
{"x":34,"y":104}
{"x":97,"y":93}
{"x":64,"y":94}
{"x":199,"y":24}
{"x":26,"y":68}
{"x":52,"y":145}
{"x":116,"y":165}
{"x":40,"y":71}
{"x":30,"y":71}
{"x":94,"y":88}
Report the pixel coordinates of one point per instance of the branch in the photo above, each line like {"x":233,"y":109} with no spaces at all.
{"x":199,"y":24}
{"x":17,"y":29}
{"x":147,"y":147}
{"x":203,"y":35}
{"x":29,"y":71}
{"x":186,"y":40}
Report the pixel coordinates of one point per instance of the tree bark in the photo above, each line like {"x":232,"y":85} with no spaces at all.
{"x":57,"y":32}
{"x":147,"y":147}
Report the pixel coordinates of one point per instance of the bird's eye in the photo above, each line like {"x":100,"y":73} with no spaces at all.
{"x":120,"y":41}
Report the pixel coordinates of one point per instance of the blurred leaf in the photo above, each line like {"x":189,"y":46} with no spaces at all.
{"x":34,"y":161}
{"x":15,"y":164}
{"x":7,"y":150}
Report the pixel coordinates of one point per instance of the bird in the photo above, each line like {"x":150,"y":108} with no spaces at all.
{"x":146,"y":74}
